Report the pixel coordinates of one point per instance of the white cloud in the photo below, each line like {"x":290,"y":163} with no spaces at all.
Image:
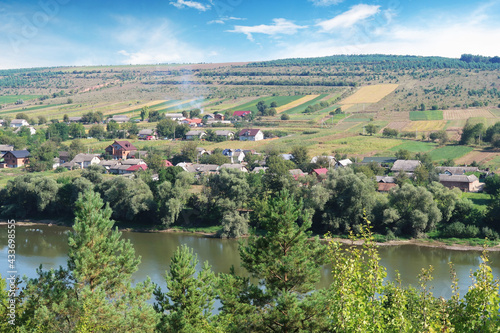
{"x":349,"y":18}
{"x":224,"y":19}
{"x":325,"y":3}
{"x":190,"y":4}
{"x":280,"y":26}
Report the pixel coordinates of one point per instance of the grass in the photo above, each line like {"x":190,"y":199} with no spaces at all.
{"x":210,"y":230}
{"x":12,"y":98}
{"x":426,"y":115}
{"x":480,"y":200}
{"x":280,"y":101}
{"x":415,"y":146}
{"x":449,"y":152}
{"x":300,"y":108}
{"x":361,"y":144}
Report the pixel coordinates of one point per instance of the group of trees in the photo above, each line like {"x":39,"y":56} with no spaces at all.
{"x":93,"y":293}
{"x":476,"y":133}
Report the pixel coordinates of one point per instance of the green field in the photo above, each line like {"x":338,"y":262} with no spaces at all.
{"x":302,"y":107}
{"x":12,"y":98}
{"x":426,"y":115}
{"x":280,"y":100}
{"x":449,"y":152}
{"x":480,"y":200}
{"x":415,"y":146}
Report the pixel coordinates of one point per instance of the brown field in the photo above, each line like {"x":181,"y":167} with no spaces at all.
{"x":478,"y":156}
{"x":370,"y":94}
{"x":464,"y":114}
{"x":295,"y":103}
{"x":426,"y":125}
{"x":398,"y":125}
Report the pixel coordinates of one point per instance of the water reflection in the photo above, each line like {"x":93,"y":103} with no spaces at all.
{"x":48,"y":246}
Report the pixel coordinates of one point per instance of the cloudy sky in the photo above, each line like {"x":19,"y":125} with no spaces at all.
{"x":37,"y":33}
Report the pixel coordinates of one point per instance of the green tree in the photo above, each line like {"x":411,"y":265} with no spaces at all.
{"x":76,"y":130}
{"x":287,"y":264}
{"x":188,"y":304}
{"x":403,"y":154}
{"x":144,"y":112}
{"x":300,"y":155}
{"x":285,"y":116}
{"x":75,"y":147}
{"x":189,"y":152}
{"x":65,"y":118}
{"x":154,"y":116}
{"x":112,"y":126}
{"x":96,"y":131}
{"x":173,"y":196}
{"x":166,"y":128}
{"x":42,"y":158}
{"x":371,"y":129}
{"x":234,"y":225}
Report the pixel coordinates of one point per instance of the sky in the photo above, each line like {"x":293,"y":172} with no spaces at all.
{"x":40,"y":33}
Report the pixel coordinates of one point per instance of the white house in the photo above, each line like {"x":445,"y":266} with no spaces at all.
{"x":192,"y":135}
{"x":252,"y":134}
{"x":82,"y":161}
{"x":19,"y":123}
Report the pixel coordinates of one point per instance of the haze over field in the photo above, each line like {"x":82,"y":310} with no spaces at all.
{"x":65,"y":33}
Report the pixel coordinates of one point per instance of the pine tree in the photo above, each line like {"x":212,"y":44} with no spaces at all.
{"x":288,"y":265}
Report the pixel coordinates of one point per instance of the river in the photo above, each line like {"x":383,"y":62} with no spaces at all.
{"x":47,"y":245}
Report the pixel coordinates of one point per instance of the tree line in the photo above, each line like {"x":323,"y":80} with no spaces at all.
{"x":93,"y":292}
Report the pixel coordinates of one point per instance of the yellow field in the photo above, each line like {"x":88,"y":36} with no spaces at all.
{"x":426,"y":125}
{"x":345,"y":107}
{"x":370,"y":94}
{"x":295,"y":103}
{"x":141,"y":105}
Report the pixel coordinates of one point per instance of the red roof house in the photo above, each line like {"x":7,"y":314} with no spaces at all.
{"x":320,"y":173}
{"x":120,"y":149}
{"x":137,"y":167}
{"x":168,"y":164}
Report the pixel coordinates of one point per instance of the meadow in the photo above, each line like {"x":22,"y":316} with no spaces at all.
{"x":426,"y":115}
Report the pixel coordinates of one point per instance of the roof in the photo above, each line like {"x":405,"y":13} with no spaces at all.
{"x":321,"y":171}
{"x":146,"y":132}
{"x":195,"y":133}
{"x":63,"y":154}
{"x":236,"y":166}
{"x":457,"y":170}
{"x":329,"y":158}
{"x":458,"y":178}
{"x":385,"y":179}
{"x":258,"y":169}
{"x":132,"y":161}
{"x":18,"y":121}
{"x":202,"y":168}
{"x":108,"y":163}
{"x":249,"y":132}
{"x":223,"y":132}
{"x":120,"y":116}
{"x":79,"y":158}
{"x":379,"y":159}
{"x":193,"y":121}
{"x":6,"y":148}
{"x":405,"y":165}
{"x":287,"y":157}
{"x":385,"y":187}
{"x":168,"y":163}
{"x":126,"y":145}
{"x":174,"y":115}
{"x":345,"y":162}
{"x":19,"y":153}
{"x":74,"y":118}
{"x":137,"y":167}
{"x":241,"y":113}
{"x":297,"y":172}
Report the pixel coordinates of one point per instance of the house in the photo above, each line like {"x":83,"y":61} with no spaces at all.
{"x":194,"y":135}
{"x":226,"y":134}
{"x":287,"y":157}
{"x":251,"y":134}
{"x":259,"y":169}
{"x":16,"y":158}
{"x":208,"y":116}
{"x":123,"y":169}
{"x":56,"y":162}
{"x":132,"y":161}
{"x":30,"y":128}
{"x":241,"y":113}
{"x":331,"y":160}
{"x":82,"y":161}
{"x":320,"y":173}
{"x":63,"y":157}
{"x":119,"y":118}
{"x":195,"y":122}
{"x":463,"y":182}
{"x":2,"y":122}
{"x":237,"y":157}
{"x":408,"y":166}
{"x":296,"y":173}
{"x":5,"y":148}
{"x":120,"y":149}
{"x":343,"y":163}
{"x":108,"y":164}
{"x":168,"y":164}
{"x":19,"y":123}
{"x":146,"y":134}
{"x":74,"y":119}
{"x":385,"y":179}
{"x":174,"y":116}
{"x":237,"y":166}
{"x":219,"y":116}
{"x":385,"y":187}
{"x":138,"y":154}
{"x":202,"y":168}
{"x":459,"y":170}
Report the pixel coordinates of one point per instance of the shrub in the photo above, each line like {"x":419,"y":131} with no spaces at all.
{"x":455,"y":230}
{"x":490,"y":234}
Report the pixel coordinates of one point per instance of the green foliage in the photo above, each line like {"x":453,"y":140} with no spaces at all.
{"x":371,"y":129}
{"x":234,"y":225}
{"x":426,"y":115}
{"x":188,"y":304}
{"x":173,"y":196}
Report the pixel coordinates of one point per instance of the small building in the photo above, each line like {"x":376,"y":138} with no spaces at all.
{"x":195,"y":122}
{"x":108,"y":164}
{"x":56,"y":162}
{"x":331,"y":160}
{"x":195,"y":135}
{"x":463,"y":182}
{"x":132,"y":161}
{"x":63,"y":157}
{"x":5,"y":148}
{"x":287,"y":157}
{"x":74,"y":119}
{"x":219,"y":116}
{"x":204,"y":169}
{"x":320,"y":173}
{"x":385,"y":187}
{"x":31,"y":129}
{"x":253,"y":134}
{"x":120,"y":149}
{"x":119,"y":118}
{"x":407,"y":166}
{"x":297,"y":173}
{"x":138,"y":154}
{"x":19,"y":123}
{"x":168,"y":164}
{"x":237,"y":157}
{"x":226,"y":134}
{"x":385,"y":179}
{"x":343,"y":163}
{"x":237,"y":166}
{"x":174,"y":116}
{"x":146,"y":134}
{"x":241,"y":113}
{"x":82,"y":161}
{"x":16,"y":158}
{"x":259,"y":169}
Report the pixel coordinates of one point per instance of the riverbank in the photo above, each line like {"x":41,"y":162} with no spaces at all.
{"x":203,"y":232}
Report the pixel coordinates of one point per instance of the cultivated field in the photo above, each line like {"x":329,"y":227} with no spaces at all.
{"x":468,"y":113}
{"x":370,"y":94}
{"x":426,"y":115}
{"x":295,"y":103}
{"x":398,"y":125}
{"x":425,"y":126}
{"x":449,"y":152}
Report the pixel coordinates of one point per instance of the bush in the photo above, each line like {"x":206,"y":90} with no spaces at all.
{"x":471,"y":231}
{"x":284,"y":116}
{"x":60,"y":169}
{"x":454,"y":230}
{"x":490,"y":234}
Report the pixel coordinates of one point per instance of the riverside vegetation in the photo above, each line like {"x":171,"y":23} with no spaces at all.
{"x":93,"y":292}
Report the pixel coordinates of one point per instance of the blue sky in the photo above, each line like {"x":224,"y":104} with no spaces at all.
{"x":71,"y":32}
